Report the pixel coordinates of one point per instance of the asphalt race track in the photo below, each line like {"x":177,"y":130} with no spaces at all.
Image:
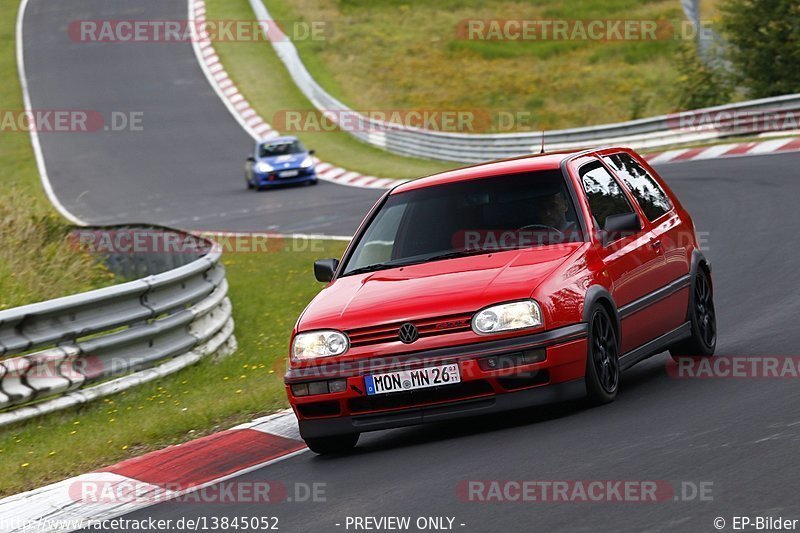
{"x":742,"y":435}
{"x":185,"y":167}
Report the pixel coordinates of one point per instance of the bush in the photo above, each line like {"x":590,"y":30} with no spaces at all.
{"x":700,"y":84}
{"x":764,"y":44}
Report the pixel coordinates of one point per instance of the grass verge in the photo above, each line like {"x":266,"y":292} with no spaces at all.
{"x":263,"y":80}
{"x":268,"y":292}
{"x":17,"y":165}
{"x":36,"y":260}
{"x":378,"y":55}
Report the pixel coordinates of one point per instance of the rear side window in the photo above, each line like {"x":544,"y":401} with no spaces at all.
{"x":651,"y":197}
{"x":603,"y":192}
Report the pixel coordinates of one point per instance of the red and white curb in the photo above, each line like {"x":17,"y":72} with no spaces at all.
{"x":153,"y":478}
{"x":773,"y":146}
{"x":247,"y":117}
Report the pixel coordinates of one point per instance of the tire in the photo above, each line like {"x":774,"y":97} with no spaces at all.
{"x":703,"y":320}
{"x":337,"y":444}
{"x":602,"y":359}
{"x":247,"y":178}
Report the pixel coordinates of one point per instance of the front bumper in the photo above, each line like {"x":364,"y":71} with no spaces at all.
{"x":558,"y":377}
{"x":557,"y":392}
{"x":273,"y":178}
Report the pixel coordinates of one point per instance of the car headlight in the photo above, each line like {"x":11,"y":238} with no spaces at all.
{"x":322,"y":343}
{"x":307,"y":162}
{"x":263,"y":167}
{"x":506,"y":317}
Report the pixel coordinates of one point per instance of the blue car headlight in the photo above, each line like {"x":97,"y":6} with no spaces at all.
{"x":307,"y":162}
{"x":263,"y":168}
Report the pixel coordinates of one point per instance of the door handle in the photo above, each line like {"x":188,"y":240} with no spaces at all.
{"x":656,"y":245}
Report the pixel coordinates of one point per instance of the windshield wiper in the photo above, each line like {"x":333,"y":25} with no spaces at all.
{"x":416,"y":261}
{"x":461,"y":253}
{"x":369,"y":268}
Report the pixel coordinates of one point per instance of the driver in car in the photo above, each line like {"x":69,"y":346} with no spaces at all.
{"x":551,"y":212}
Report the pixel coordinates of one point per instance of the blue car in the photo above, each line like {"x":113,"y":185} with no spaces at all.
{"x":279,"y":161}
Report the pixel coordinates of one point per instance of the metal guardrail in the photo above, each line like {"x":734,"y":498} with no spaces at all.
{"x":169,"y":319}
{"x":644,"y":133}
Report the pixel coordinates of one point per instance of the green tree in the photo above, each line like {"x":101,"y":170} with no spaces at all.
{"x":764,"y":44}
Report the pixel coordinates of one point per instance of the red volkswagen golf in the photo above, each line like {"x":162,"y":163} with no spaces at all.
{"x":499,"y":286}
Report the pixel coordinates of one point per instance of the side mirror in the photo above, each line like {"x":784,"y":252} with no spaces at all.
{"x":311,"y":152}
{"x":251,"y":159}
{"x":618,"y":226}
{"x":324,"y":269}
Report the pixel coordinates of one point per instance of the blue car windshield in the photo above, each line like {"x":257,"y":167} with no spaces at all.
{"x":273,"y":149}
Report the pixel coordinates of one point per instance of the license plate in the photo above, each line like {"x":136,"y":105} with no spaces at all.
{"x":288,"y":173}
{"x":405,"y":380}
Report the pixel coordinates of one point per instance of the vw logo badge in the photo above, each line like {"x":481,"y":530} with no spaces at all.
{"x":408,"y":333}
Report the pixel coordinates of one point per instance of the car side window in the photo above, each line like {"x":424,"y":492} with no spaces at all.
{"x":603,"y":192}
{"x":651,"y":197}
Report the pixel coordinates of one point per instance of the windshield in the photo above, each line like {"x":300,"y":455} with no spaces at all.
{"x":281,"y":148}
{"x":465,"y":218}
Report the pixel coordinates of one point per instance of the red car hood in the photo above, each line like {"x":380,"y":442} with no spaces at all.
{"x":439,"y":288}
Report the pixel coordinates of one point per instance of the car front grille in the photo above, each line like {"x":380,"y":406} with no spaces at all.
{"x":427,"y":327}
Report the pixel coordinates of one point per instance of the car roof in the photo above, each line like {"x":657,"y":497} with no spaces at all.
{"x":514,"y":165}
